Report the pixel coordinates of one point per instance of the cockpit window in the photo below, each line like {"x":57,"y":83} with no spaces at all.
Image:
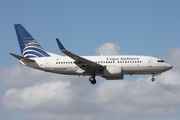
{"x":161,"y":61}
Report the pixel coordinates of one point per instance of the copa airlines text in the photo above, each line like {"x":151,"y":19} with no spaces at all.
{"x":108,"y":67}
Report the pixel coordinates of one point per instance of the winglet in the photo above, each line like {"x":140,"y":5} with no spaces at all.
{"x":61,"y":47}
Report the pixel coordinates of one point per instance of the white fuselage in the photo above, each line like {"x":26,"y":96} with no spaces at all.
{"x":108,"y":67}
{"x":129,"y":64}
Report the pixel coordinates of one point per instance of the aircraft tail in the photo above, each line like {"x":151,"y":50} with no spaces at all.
{"x":28,"y":45}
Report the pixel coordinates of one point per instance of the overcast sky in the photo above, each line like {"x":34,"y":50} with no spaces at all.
{"x":91,"y":28}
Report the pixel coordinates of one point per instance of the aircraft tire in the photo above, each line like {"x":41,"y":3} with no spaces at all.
{"x":92,"y":80}
{"x":153,"y":79}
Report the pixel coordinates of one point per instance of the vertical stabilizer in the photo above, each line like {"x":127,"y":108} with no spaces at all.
{"x":28,"y":45}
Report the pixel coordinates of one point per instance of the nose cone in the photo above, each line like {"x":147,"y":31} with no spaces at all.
{"x":168,"y":66}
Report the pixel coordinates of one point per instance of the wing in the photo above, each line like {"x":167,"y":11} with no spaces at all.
{"x":85,"y":64}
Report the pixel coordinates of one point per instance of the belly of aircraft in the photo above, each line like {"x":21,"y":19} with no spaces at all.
{"x":142,"y":69}
{"x":125,"y":70}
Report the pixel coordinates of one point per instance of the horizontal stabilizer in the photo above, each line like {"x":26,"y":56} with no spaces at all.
{"x":21,"y":57}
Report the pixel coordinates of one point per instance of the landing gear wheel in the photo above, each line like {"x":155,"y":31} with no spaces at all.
{"x":92,"y":80}
{"x":153,"y":79}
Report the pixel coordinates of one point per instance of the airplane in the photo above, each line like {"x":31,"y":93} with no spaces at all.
{"x":108,"y":67}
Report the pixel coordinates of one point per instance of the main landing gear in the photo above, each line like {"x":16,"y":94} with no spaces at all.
{"x":92,"y":79}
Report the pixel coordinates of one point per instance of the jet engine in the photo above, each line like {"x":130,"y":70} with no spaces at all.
{"x":112,"y":71}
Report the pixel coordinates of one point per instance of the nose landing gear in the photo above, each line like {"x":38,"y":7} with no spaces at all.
{"x":153,"y":79}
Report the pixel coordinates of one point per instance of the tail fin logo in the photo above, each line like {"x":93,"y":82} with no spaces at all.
{"x":33,"y":49}
{"x":28,"y":45}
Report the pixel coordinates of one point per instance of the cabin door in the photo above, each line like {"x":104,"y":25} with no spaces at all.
{"x":149,"y":62}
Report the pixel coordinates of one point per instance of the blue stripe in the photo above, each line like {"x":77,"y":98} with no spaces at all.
{"x":33,"y":53}
{"x":38,"y":50}
{"x":30,"y":56}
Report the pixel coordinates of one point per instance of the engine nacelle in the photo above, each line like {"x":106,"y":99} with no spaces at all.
{"x":80,"y":71}
{"x":112,"y":71}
